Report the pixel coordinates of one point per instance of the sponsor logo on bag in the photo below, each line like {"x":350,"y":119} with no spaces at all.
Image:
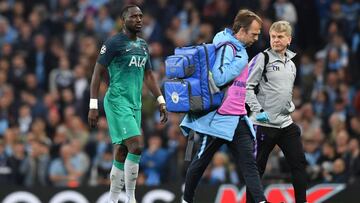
{"x":175,"y":97}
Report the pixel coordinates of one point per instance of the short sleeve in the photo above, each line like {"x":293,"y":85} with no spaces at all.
{"x":107,"y":53}
{"x":148,"y":65}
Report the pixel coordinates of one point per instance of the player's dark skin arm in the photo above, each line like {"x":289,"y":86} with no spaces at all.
{"x":94,"y":92}
{"x":151,"y":83}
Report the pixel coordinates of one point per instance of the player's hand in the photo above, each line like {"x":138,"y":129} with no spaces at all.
{"x":93,"y":117}
{"x":262,"y":117}
{"x":163,"y":113}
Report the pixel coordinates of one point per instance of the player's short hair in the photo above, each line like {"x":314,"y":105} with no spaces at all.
{"x":125,"y":10}
{"x":281,"y":26}
{"x":243,"y":19}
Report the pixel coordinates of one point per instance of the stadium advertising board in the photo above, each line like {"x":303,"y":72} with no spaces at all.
{"x":223,"y":194}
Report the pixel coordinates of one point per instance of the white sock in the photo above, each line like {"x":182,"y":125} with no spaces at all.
{"x":117,"y":182}
{"x":131,"y":174}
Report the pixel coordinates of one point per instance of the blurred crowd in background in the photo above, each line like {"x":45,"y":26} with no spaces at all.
{"x":48,"y":49}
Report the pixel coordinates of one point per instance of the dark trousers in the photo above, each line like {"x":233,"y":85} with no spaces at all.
{"x":289,"y":141}
{"x":241,"y":148}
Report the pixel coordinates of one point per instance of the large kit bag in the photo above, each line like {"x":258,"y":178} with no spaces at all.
{"x":190,"y":87}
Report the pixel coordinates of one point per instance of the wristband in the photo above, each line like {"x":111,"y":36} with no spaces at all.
{"x":160,"y":99}
{"x":93,"y":104}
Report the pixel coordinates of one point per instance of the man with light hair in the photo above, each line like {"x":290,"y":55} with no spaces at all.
{"x":269,"y":98}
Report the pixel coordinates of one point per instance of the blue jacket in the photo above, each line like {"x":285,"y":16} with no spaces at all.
{"x":226,"y":68}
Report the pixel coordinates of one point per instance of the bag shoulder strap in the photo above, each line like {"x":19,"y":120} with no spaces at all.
{"x":227,"y":43}
{"x":266,"y":61}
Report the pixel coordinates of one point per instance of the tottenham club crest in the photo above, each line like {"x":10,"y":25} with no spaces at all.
{"x":175,"y":97}
{"x":103,"y":49}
